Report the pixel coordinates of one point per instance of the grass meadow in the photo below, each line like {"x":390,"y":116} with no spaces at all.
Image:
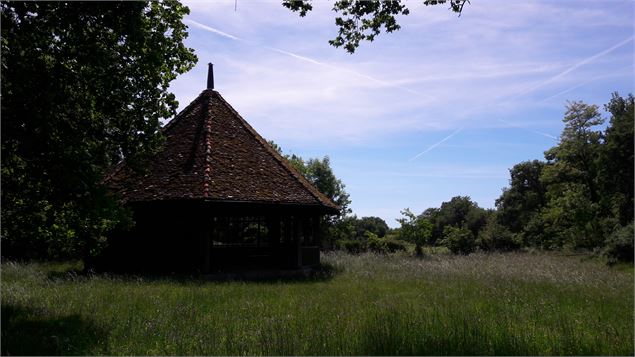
{"x":482,"y":304}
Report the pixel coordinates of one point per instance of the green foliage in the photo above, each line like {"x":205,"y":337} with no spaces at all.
{"x":458,"y":240}
{"x":374,"y":225}
{"x":573,"y":215}
{"x":571,"y":219}
{"x":363,"y":20}
{"x":417,"y":230}
{"x":616,"y":164}
{"x":619,"y":246}
{"x":584,"y":190}
{"x":576,"y":158}
{"x":384,"y":245}
{"x":83,"y":85}
{"x":351,"y":246}
{"x":460,"y":211}
{"x":495,"y":236}
{"x":519,"y":203}
{"x":319,"y":173}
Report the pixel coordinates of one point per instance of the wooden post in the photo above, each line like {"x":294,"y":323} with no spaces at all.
{"x":273,"y":230}
{"x":207,"y":248}
{"x":298,"y":238}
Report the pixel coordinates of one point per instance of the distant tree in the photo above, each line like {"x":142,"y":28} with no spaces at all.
{"x":573,"y":213}
{"x":84,"y":85}
{"x":616,"y":159}
{"x":619,"y":245}
{"x":319,"y":173}
{"x":458,"y":212}
{"x":341,"y":229}
{"x":519,"y":204}
{"x":414,"y":229}
{"x":363,"y":20}
{"x":373,"y":225}
{"x":582,"y":196}
{"x":458,"y":240}
{"x":432,"y":215}
{"x":495,"y":236}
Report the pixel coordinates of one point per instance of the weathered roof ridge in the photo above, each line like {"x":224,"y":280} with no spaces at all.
{"x":121,"y":164}
{"x":207,"y":180}
{"x":213,"y":154}
{"x":285,"y":164}
{"x":206,"y":93}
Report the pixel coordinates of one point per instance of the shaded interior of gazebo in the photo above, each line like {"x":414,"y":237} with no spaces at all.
{"x":207,"y":237}
{"x":216,"y":197}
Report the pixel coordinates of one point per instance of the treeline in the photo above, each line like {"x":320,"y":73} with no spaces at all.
{"x":579,"y":197}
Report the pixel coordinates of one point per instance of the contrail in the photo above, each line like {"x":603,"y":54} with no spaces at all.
{"x":436,"y":144}
{"x":530,"y":130}
{"x":388,"y":84}
{"x":211,"y":29}
{"x":566,"y":91}
{"x":585,"y":83}
{"x":300,"y":57}
{"x":558,"y":76}
{"x":291,"y":54}
{"x":574,"y":67}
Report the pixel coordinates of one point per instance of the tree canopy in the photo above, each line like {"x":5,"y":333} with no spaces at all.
{"x":363,"y":20}
{"x":582,"y":195}
{"x":84,"y":84}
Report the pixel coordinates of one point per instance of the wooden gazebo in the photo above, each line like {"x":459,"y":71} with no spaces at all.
{"x":216,"y":197}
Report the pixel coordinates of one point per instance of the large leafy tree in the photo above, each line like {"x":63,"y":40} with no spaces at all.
{"x":321,"y":175}
{"x":572,"y":216}
{"x":415,"y":229}
{"x":84,"y":84}
{"x":460,"y":211}
{"x":371,"y":224}
{"x":616,"y":165}
{"x":519,"y":206}
{"x":363,"y":20}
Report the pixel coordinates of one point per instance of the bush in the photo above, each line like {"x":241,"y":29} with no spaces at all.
{"x":458,"y":240}
{"x":395,"y":245}
{"x":495,"y":236}
{"x":351,"y":246}
{"x":385,"y":245}
{"x":619,"y":246}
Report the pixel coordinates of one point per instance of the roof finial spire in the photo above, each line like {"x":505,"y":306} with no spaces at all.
{"x":210,"y":76}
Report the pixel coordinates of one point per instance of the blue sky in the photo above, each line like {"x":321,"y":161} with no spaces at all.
{"x":443,"y":107}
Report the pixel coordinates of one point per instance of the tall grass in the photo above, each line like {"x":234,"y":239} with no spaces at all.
{"x":504,"y":304}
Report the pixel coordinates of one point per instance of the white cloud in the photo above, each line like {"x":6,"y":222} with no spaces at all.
{"x":439,"y":72}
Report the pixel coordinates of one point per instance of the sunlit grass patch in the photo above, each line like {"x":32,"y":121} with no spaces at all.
{"x":505,"y":304}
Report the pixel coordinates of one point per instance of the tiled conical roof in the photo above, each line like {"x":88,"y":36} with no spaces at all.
{"x":211,"y":153}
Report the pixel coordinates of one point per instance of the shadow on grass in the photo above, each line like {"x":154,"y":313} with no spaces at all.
{"x":323,"y":272}
{"x":30,"y":332}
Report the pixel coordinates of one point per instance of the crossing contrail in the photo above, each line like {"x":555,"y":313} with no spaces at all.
{"x":211,"y":29}
{"x":574,"y":67}
{"x":529,"y":130}
{"x":406,"y":89}
{"x":586,"y":82}
{"x":299,"y":57}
